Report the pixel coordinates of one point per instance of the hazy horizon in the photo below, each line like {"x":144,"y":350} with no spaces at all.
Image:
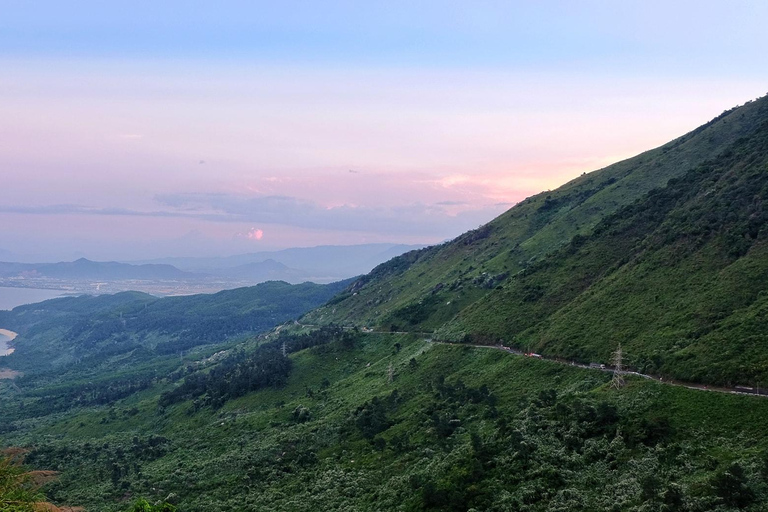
{"x":137,"y":131}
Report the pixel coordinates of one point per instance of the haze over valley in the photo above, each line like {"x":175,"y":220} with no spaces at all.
{"x":198,"y":275}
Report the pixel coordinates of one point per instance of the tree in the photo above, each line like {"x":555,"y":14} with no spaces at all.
{"x":731,"y":486}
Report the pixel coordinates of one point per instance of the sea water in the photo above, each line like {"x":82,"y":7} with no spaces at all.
{"x":4,"y":348}
{"x":12,"y":297}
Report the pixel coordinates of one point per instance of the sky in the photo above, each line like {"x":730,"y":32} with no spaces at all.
{"x":144,"y":129}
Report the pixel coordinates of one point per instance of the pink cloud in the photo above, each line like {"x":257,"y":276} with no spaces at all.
{"x":254,"y":234}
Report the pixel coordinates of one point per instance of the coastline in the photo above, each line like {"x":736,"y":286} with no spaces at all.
{"x":14,"y":296}
{"x":8,"y":334}
{"x":5,"y":344}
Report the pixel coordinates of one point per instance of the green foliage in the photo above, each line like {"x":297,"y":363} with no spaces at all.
{"x":237,"y":375}
{"x":143,"y":505}
{"x":462,"y":428}
{"x":17,"y":494}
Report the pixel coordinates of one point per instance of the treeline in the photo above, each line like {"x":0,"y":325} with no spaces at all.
{"x":78,"y":328}
{"x":237,"y":375}
{"x":241,"y":372}
{"x":206,"y":318}
{"x":48,"y":400}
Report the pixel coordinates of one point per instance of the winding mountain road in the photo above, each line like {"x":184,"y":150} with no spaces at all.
{"x":735,"y":390}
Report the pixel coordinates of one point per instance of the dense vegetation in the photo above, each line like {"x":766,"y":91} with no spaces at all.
{"x":390,"y":422}
{"x":240,"y":372}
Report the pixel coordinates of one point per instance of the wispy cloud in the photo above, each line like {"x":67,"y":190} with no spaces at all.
{"x":410,"y":219}
{"x":439,"y":219}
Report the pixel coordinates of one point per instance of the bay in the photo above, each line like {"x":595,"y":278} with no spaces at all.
{"x":12,"y":297}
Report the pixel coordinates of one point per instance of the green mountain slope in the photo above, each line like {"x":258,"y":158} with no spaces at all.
{"x":663,"y":253}
{"x":423,"y":289}
{"x":678,"y":278}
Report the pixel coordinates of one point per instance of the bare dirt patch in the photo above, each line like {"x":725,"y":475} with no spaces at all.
{"x":5,"y":373}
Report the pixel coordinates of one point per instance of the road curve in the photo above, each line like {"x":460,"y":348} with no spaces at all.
{"x":736,"y":390}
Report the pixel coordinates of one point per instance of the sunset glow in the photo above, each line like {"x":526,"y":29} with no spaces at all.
{"x":129,"y":135}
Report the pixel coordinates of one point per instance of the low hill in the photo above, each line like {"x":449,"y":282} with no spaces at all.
{"x":69,"y":347}
{"x":87,"y":327}
{"x":321,"y":264}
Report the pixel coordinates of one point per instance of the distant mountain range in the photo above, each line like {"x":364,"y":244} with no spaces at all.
{"x":322,"y":264}
{"x":87,"y":269}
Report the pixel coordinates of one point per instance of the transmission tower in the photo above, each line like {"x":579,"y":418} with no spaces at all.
{"x":285,"y":351}
{"x":618,"y":378}
{"x":390,"y":373}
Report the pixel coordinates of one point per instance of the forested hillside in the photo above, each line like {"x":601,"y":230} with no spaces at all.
{"x":83,"y":351}
{"x":678,"y":278}
{"x":363,"y":422}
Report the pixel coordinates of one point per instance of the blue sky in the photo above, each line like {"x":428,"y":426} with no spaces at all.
{"x":685,"y":36}
{"x":142,"y":129}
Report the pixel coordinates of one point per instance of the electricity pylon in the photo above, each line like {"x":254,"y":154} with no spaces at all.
{"x":618,"y":378}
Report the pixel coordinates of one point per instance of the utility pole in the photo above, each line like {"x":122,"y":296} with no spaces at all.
{"x":390,"y":374}
{"x":285,"y":351}
{"x":618,"y":379}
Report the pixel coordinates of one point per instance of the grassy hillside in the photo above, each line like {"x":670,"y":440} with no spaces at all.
{"x":423,"y":289}
{"x":392,"y":422}
{"x":678,"y":278}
